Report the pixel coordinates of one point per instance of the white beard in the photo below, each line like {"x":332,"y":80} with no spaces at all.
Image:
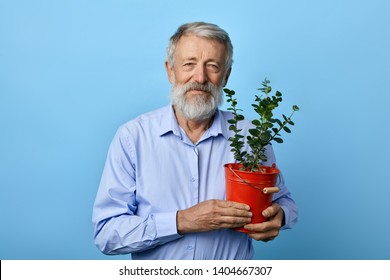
{"x":200,"y":106}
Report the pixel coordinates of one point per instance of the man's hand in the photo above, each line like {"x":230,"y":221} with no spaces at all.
{"x":211,"y":215}
{"x":268,"y":230}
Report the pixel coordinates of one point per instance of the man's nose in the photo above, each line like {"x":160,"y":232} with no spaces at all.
{"x":200,"y":75}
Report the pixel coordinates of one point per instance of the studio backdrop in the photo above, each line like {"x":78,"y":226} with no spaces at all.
{"x":71,"y":72}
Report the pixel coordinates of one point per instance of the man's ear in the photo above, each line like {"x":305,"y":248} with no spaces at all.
{"x":169,"y":72}
{"x":225,"y":80}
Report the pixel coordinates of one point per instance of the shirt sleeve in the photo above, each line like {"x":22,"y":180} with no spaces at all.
{"x":117,"y":228}
{"x":283,"y":197}
{"x":286,"y":202}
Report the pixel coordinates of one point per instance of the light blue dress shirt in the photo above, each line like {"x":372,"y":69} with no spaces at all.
{"x":152,"y":171}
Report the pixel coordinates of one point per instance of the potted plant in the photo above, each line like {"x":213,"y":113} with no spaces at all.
{"x":248,"y":180}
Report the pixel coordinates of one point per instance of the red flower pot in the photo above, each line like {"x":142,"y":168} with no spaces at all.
{"x":252,"y":188}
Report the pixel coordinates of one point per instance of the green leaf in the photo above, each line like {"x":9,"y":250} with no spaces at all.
{"x":228,"y":91}
{"x":263,"y":157}
{"x":240,"y":117}
{"x":285,"y":128}
{"x":266,"y":136}
{"x":232,"y":127}
{"x":278,"y":140}
{"x":256,"y":122}
{"x":254,"y":132}
{"x":290,"y":122}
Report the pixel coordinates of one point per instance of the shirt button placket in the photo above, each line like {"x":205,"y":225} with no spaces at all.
{"x":195,"y":176}
{"x":194,"y":164}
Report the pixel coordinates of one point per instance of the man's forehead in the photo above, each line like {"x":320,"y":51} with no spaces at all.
{"x":192,"y":44}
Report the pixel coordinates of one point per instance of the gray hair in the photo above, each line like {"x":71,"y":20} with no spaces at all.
{"x":205,"y":30}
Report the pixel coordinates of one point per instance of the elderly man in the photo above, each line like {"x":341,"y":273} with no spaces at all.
{"x":162,"y":192}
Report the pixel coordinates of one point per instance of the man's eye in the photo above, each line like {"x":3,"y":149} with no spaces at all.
{"x":188,"y":65}
{"x":213,"y":67}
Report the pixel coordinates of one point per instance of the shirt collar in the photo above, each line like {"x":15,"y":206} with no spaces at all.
{"x":169,"y":124}
{"x":219,"y":125}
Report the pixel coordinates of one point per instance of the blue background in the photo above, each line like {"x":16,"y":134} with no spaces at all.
{"x":72,"y":71}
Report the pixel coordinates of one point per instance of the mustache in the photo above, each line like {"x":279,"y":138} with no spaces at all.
{"x":207,"y":87}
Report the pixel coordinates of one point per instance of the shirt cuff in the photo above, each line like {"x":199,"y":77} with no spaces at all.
{"x":289,"y":219}
{"x":166,"y":226}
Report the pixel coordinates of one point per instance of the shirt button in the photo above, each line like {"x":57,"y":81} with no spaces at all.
{"x":190,"y":248}
{"x":193,"y":179}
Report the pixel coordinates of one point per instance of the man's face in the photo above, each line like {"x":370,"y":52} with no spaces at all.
{"x":198,"y":76}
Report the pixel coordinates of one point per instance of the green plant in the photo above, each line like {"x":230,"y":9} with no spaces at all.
{"x":266,"y":128}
